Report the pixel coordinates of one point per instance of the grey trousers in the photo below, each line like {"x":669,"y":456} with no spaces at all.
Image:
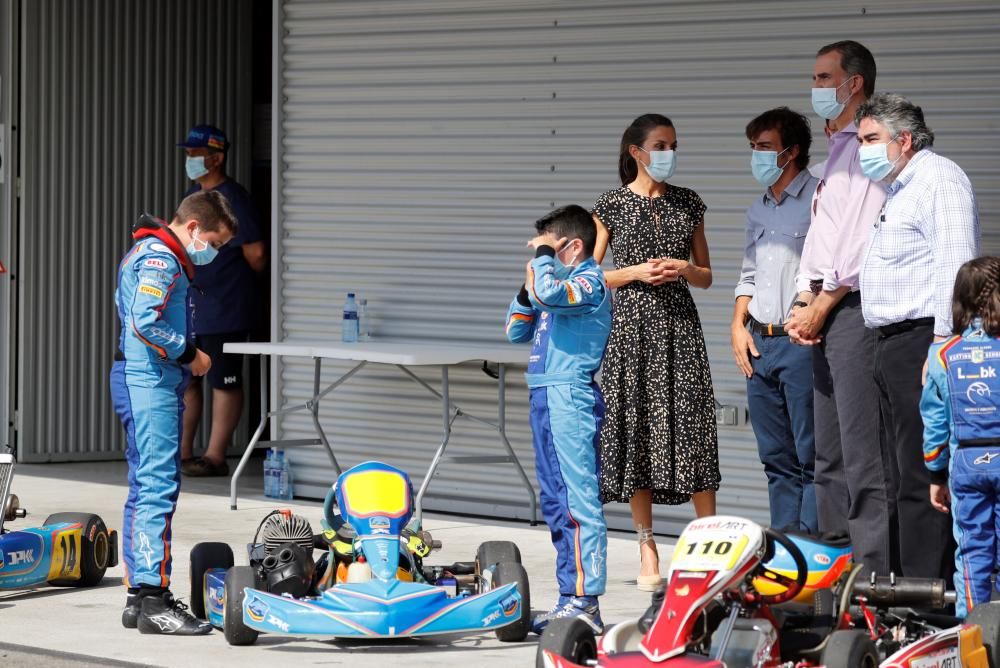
{"x":852,"y":468}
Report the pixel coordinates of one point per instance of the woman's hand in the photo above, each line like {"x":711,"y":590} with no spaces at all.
{"x":673,"y":269}
{"x":648,"y":272}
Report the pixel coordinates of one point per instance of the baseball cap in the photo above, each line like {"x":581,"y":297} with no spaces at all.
{"x":205,"y":136}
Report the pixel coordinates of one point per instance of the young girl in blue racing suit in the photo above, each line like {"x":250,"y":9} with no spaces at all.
{"x":961,"y":413}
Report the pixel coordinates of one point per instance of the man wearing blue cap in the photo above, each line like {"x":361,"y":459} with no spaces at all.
{"x":223,"y":303}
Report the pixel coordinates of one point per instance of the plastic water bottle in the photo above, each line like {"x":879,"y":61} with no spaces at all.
{"x":269,"y":473}
{"x":349,"y":329}
{"x":284,"y":478}
{"x":364,"y":325}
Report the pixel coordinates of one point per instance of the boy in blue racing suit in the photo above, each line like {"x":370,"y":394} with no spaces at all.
{"x":151,"y":370}
{"x":960,"y":407}
{"x":565,"y":309}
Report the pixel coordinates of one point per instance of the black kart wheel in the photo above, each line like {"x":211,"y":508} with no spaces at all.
{"x":987,"y":617}
{"x":507,"y":572}
{"x":238,"y":578}
{"x":95,"y":549}
{"x":205,"y":556}
{"x":850,"y":649}
{"x":496,"y":551}
{"x":569,"y":638}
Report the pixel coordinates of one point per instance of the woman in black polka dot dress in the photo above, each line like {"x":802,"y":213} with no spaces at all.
{"x":658,"y":440}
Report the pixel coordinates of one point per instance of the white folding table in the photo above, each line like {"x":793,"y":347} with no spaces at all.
{"x":402,"y":355}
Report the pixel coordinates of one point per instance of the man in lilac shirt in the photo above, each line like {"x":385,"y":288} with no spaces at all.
{"x":852,"y":466}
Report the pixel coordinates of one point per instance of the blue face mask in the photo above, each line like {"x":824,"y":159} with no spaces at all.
{"x":200,"y":256}
{"x":875,"y":161}
{"x":764,"y":167}
{"x":661,"y":164}
{"x":195,"y":167}
{"x":825,"y":103}
{"x":562,"y":271}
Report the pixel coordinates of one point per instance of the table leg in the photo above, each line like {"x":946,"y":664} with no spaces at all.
{"x":264,"y":410}
{"x":314,"y":410}
{"x":502,"y":429}
{"x":447,"y":421}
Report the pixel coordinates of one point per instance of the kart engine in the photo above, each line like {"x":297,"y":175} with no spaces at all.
{"x":288,"y":544}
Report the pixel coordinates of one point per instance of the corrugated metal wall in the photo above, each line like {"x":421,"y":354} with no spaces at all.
{"x":8,"y":155}
{"x":109,"y":86}
{"x":418,"y":141}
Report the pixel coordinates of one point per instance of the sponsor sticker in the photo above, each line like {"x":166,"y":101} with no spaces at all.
{"x":150,"y":290}
{"x":821,"y":559}
{"x":585,"y":284}
{"x":257,"y":609}
{"x":158,"y":247}
{"x":1,"y":559}
{"x":156,"y":263}
{"x":379,"y":524}
{"x":490,"y":618}
{"x":279,"y":623}
{"x":945,"y":658}
{"x":510,"y":606}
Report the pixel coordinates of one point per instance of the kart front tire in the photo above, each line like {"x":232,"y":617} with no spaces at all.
{"x":203,"y":557}
{"x":507,"y":572}
{"x":850,"y":649}
{"x":238,"y":578}
{"x":987,"y":616}
{"x":494,"y":552}
{"x":569,"y":638}
{"x":95,"y":549}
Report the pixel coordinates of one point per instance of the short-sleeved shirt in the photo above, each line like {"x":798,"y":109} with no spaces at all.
{"x":223,"y":293}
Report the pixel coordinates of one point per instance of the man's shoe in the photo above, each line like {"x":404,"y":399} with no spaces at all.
{"x":130,"y":615}
{"x":542,"y":619}
{"x":581,"y":607}
{"x":165,"y":614}
{"x":204,"y":468}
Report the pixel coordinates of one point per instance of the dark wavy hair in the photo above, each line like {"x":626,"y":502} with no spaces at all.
{"x":636,"y":134}
{"x":792,"y":126}
{"x":977,"y":293}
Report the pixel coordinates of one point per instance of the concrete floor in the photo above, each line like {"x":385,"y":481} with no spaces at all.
{"x":77,"y":627}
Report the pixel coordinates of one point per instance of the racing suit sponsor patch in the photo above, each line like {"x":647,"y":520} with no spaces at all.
{"x":156,"y":263}
{"x":150,"y":290}
{"x":585,"y":284}
{"x":158,"y":247}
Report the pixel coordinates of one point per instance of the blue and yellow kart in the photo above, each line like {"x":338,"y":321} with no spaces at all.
{"x":370,"y":580}
{"x":69,"y":549}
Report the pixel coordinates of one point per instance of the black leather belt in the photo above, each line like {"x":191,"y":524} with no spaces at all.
{"x":904,"y":326}
{"x":766,"y":329}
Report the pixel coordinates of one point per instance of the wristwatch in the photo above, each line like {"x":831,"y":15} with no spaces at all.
{"x":799,"y":303}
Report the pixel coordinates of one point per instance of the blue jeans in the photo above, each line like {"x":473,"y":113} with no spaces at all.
{"x":780,"y":398}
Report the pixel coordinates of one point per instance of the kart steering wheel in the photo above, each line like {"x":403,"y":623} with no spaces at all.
{"x":792,"y":586}
{"x":333,"y":519}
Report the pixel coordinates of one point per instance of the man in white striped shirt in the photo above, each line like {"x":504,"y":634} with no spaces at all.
{"x":927,"y":229}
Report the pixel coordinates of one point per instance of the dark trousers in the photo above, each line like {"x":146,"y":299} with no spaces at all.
{"x":851,"y":465}
{"x":780,"y":399}
{"x":925,"y":543}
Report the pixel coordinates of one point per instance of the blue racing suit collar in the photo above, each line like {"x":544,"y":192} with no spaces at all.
{"x":150,"y":226}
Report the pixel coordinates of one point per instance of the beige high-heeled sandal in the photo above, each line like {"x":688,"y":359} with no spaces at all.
{"x":646,"y":582}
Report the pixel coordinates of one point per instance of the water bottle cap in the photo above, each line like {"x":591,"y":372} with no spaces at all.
{"x":350,"y":295}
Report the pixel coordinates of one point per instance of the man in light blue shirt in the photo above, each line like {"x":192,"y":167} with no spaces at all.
{"x":927,"y":229}
{"x":779,"y":373}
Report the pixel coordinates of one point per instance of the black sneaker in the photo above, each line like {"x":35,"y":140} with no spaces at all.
{"x":130,"y":615}
{"x":165,"y":614}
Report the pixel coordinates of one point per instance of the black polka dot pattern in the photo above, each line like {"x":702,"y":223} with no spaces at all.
{"x":659,"y":430}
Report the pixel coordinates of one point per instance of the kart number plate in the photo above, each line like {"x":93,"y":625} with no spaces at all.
{"x":709,"y":551}
{"x":945,"y":658}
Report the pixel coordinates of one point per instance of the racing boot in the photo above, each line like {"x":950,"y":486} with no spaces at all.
{"x":542,"y":619}
{"x":130,"y":615}
{"x":165,"y":614}
{"x":584,"y":608}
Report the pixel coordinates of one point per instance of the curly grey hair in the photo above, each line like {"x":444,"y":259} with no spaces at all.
{"x":897,"y":113}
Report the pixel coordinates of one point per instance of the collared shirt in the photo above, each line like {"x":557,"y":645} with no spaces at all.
{"x":844,"y":206}
{"x":775,"y":232}
{"x":928,"y":229}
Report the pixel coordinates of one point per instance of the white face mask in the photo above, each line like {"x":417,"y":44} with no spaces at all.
{"x":560,"y":269}
{"x":825,"y":102}
{"x":662,"y":164}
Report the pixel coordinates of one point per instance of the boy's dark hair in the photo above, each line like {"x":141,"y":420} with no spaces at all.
{"x":791,"y":125}
{"x":572,"y":222}
{"x":977,"y":293}
{"x":635,"y":134}
{"x":855,"y":59}
{"x":210,"y":208}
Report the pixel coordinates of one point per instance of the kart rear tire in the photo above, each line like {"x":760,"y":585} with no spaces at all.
{"x":203,"y":557}
{"x":236,"y":632}
{"x":569,"y":638}
{"x":505,"y":573}
{"x":95,"y":549}
{"x":850,"y":649}
{"x":496,"y":551}
{"x":987,"y":616}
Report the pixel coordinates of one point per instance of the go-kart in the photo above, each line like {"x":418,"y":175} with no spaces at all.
{"x":68,"y":550}
{"x":738,"y":595}
{"x":370,"y":580}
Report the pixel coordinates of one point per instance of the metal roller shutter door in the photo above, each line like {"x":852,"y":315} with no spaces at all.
{"x":417,"y":141}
